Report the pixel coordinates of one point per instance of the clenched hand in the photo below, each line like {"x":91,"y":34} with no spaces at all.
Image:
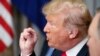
{"x":27,"y":41}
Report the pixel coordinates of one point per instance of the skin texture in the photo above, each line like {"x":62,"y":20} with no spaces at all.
{"x":63,"y":28}
{"x":94,"y":35}
{"x":56,"y":32}
{"x":27,"y":41}
{"x":59,"y":35}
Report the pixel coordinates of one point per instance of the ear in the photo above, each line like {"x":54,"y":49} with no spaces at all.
{"x":73,"y":33}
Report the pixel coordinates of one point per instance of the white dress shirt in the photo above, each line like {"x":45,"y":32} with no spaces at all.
{"x":75,"y":50}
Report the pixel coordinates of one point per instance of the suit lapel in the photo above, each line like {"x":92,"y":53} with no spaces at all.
{"x":84,"y":51}
{"x":57,"y":53}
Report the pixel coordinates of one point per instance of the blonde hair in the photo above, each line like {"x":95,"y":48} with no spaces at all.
{"x":77,"y":12}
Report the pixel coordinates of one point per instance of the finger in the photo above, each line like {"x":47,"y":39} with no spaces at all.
{"x":30,"y":35}
{"x":31,"y":31}
{"x":22,"y":40}
{"x":22,"y":37}
{"x":33,"y":34}
{"x":26,"y":32}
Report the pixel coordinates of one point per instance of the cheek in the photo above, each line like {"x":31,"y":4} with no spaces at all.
{"x":57,"y":37}
{"x":60,"y":37}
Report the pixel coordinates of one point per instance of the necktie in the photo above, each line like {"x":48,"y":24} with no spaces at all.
{"x":63,"y":54}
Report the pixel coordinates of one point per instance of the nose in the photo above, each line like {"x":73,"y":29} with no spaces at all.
{"x":46,"y":28}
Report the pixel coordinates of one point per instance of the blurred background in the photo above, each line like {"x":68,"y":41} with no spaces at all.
{"x":15,"y":15}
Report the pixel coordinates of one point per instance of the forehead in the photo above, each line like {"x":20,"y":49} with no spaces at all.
{"x":55,"y":16}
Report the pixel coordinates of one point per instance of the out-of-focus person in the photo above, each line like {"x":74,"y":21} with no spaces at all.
{"x":94,"y":35}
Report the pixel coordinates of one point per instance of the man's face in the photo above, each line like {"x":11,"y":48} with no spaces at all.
{"x":94,"y":41}
{"x":55,"y":30}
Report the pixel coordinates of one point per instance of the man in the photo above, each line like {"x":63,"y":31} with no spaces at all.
{"x":94,"y":34}
{"x":66,"y":28}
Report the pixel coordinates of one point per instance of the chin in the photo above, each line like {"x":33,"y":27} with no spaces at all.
{"x":51,"y":45}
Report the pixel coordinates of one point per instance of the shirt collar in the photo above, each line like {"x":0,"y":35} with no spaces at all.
{"x":75,"y":50}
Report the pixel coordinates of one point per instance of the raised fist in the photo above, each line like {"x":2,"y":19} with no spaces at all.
{"x":27,"y":41}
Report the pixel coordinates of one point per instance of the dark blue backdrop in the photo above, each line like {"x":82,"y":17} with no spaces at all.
{"x":32,"y":9}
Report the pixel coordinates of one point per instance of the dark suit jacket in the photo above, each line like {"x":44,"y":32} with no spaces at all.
{"x":83,"y":52}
